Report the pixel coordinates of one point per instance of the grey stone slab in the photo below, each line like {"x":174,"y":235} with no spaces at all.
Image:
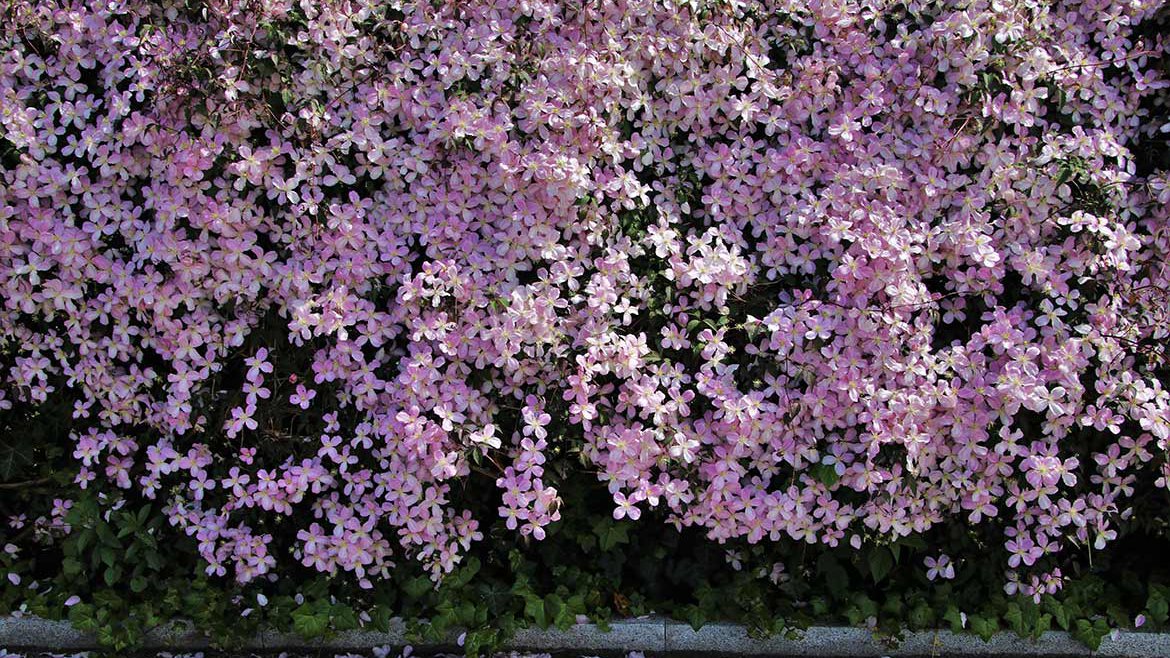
{"x":647,"y":635}
{"x":1120,"y":645}
{"x":1001,"y":644}
{"x":30,"y":632}
{"x":651,"y":635}
{"x":23,"y":632}
{"x":726,"y":639}
{"x":827,"y":641}
{"x":1139,"y":645}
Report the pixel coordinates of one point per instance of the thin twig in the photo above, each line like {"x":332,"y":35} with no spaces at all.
{"x":26,"y":483}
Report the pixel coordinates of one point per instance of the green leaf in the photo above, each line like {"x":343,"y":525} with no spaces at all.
{"x":308,"y":623}
{"x":611,"y":534}
{"x":13,"y":457}
{"x":1042,"y":626}
{"x":983,"y":627}
{"x":463,"y":575}
{"x":84,"y":537}
{"x":70,"y":566}
{"x":913,"y":542}
{"x":1015,"y":619}
{"x":534,"y":609}
{"x":107,"y":537}
{"x":558,"y":612}
{"x":826,"y":474}
{"x":954,"y":616}
{"x":154,"y":560}
{"x":1060,"y":614}
{"x":380,"y":617}
{"x":1157,"y":605}
{"x":835,"y":575}
{"x":695,"y":617}
{"x":82,"y":617}
{"x":477,"y":639}
{"x":921,"y":616}
{"x":344,"y":618}
{"x":881,"y":562}
{"x":1090,"y":632}
{"x":417,"y":587}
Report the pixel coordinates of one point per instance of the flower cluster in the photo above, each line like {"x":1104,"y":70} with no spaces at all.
{"x":832,"y":271}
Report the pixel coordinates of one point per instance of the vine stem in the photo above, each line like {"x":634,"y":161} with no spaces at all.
{"x":26,"y":483}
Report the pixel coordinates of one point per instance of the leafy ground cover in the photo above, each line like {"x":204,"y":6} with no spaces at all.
{"x":491,"y":314}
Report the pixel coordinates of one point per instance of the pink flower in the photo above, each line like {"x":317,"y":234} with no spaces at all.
{"x":940,"y":567}
{"x":241,"y":419}
{"x":302,"y":397}
{"x":625,"y":508}
{"x":837,"y":294}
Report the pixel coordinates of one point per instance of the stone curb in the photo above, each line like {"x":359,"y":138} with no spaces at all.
{"x":651,"y":635}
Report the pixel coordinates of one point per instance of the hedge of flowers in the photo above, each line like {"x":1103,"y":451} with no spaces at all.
{"x":301,"y":277}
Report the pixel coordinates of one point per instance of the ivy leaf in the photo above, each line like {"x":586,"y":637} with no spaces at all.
{"x":955,"y":618}
{"x":834,"y":573}
{"x":1158,"y":607}
{"x":82,"y":617}
{"x":695,"y":617}
{"x":1091,"y":632}
{"x":826,"y":474}
{"x":13,"y":456}
{"x":70,"y":566}
{"x":344,"y":618}
{"x":1015,"y":618}
{"x":1043,"y":625}
{"x":107,"y":536}
{"x":913,"y":542}
{"x":921,"y":616}
{"x":416,"y":587}
{"x":881,"y":562}
{"x":610,"y":534}
{"x":1060,"y":614}
{"x":477,"y":639}
{"x":984,"y":627}
{"x":308,"y":623}
{"x":463,"y":575}
{"x":381,"y":616}
{"x":534,"y":608}
{"x":558,"y":612}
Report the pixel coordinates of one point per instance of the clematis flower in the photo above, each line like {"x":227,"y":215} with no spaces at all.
{"x":876,"y":286}
{"x":626,"y":508}
{"x":940,"y":567}
{"x":303,"y":397}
